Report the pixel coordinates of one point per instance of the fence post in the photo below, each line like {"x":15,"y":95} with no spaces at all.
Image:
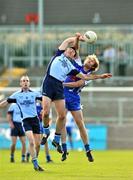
{"x":120,"y":110}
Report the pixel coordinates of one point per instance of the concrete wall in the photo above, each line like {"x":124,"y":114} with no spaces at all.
{"x":68,"y":12}
{"x":120,"y":136}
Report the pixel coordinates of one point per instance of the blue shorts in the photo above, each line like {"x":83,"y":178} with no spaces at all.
{"x":18,"y":130}
{"x":72,"y":102}
{"x":52,"y":88}
{"x":32,"y":124}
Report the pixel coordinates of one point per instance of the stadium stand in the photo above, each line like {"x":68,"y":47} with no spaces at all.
{"x":9,"y":75}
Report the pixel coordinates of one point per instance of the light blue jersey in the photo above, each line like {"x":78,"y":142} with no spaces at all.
{"x":60,"y":66}
{"x":26,"y":101}
{"x":15,"y":111}
{"x":58,"y":69}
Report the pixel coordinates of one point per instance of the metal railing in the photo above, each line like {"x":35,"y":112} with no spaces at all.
{"x":21,"y":41}
{"x":100,"y":104}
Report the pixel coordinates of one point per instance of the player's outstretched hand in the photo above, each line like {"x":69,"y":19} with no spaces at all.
{"x":106,"y":75}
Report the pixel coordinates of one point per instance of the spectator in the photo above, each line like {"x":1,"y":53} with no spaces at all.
{"x":99,"y":54}
{"x":109,"y":56}
{"x":122,"y":58}
{"x":15,"y":121}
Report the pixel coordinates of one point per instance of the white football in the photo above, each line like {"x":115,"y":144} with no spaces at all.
{"x":90,"y":37}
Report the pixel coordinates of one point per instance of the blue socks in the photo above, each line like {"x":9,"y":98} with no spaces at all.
{"x":35,"y":162}
{"x":12,"y":155}
{"x":48,"y":158}
{"x":57,"y":138}
{"x":64,"y":147}
{"x":23,"y":157}
{"x":87,"y":147}
{"x":46,"y":130}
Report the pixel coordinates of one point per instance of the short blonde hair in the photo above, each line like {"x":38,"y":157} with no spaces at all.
{"x":96,"y":65}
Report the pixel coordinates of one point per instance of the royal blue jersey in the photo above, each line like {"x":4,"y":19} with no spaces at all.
{"x":39,"y":111}
{"x":71,"y":78}
{"x":72,"y":95}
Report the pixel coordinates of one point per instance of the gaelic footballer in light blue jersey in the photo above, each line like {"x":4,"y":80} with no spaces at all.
{"x":52,"y":88}
{"x":15,"y":122}
{"x":26,"y":101}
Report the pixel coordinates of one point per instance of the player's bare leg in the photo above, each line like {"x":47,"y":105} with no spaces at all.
{"x":23,"y":141}
{"x":32,"y":150}
{"x":46,"y":104}
{"x":60,"y":123}
{"x":78,"y":117}
{"x":14,"y":140}
{"x":37,"y":138}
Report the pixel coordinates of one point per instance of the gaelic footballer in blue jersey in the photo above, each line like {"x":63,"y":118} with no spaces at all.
{"x":72,"y":89}
{"x":26,"y":101}
{"x":76,"y":84}
{"x":58,"y":69}
{"x":17,"y":130}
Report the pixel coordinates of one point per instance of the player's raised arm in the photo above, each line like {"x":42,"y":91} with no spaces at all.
{"x":78,"y":83}
{"x":84,"y":77}
{"x":71,"y":42}
{"x":94,"y":76}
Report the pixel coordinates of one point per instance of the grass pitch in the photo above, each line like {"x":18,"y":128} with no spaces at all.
{"x":108,"y":165}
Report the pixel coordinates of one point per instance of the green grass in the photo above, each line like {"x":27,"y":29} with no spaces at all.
{"x":108,"y":165}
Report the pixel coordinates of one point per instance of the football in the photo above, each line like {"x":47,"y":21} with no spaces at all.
{"x":90,"y":37}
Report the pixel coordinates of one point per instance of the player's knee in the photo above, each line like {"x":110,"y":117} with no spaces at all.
{"x":13,"y":145}
{"x":38,"y":142}
{"x":37,"y":145}
{"x":80,"y":126}
{"x":62,"y":117}
{"x":46,"y":116}
{"x":31,"y":143}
